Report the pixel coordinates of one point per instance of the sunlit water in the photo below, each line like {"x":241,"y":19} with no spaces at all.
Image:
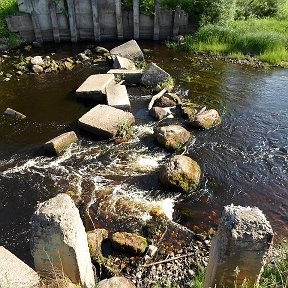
{"x":244,"y":160}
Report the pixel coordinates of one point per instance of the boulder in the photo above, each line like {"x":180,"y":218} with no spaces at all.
{"x":116,"y":282}
{"x":37,"y":60}
{"x":58,"y":144}
{"x":123,"y":63}
{"x":82,"y":57}
{"x":15,"y":273}
{"x":156,"y":78}
{"x":37,"y":69}
{"x":128,"y":242}
{"x":130,"y":50}
{"x":172,"y":136}
{"x":94,"y":87}
{"x":189,"y":113}
{"x":158,"y":113}
{"x":129,"y":76}
{"x":168,"y":100}
{"x":181,"y":171}
{"x":104,"y":121}
{"x":117,"y":97}
{"x":14,"y":113}
{"x":59,"y":241}
{"x":206,"y":119}
{"x":95,"y":239}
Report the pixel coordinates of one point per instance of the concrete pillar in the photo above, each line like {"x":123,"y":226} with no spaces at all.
{"x":136,"y":19}
{"x":59,"y":243}
{"x":119,"y":21}
{"x":72,"y":20}
{"x":55,"y":26}
{"x":239,"y":249}
{"x":176,"y":22}
{"x":156,"y":20}
{"x":96,"y":24}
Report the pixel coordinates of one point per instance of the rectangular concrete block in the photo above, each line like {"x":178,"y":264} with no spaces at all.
{"x":129,"y":76}
{"x":104,"y":121}
{"x":94,"y":87}
{"x":130,"y":50}
{"x":117,"y":97}
{"x":15,"y":273}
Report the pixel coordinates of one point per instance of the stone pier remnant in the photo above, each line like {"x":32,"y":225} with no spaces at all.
{"x":59,"y":242}
{"x":55,"y":146}
{"x":239,"y":249}
{"x":15,"y":273}
{"x":94,"y":87}
{"x":129,"y":76}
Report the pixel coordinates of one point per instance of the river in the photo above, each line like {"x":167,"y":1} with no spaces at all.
{"x":244,"y":160}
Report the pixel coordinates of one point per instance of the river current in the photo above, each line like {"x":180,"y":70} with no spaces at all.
{"x":244,"y":160}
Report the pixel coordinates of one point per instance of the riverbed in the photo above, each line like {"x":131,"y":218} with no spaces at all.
{"x":244,"y":160}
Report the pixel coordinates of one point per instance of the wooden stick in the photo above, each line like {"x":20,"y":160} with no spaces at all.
{"x":167,"y":260}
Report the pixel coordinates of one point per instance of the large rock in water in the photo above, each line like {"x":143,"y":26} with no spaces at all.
{"x":123,"y":63}
{"x":56,"y":145}
{"x":15,"y":273}
{"x":129,"y":50}
{"x":181,"y":171}
{"x":59,"y":241}
{"x":116,"y":282}
{"x":129,"y":242}
{"x":117,"y":97}
{"x":172,"y":136}
{"x":104,"y":121}
{"x":206,"y":119}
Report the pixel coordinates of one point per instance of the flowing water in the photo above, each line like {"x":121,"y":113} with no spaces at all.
{"x":244,"y":160}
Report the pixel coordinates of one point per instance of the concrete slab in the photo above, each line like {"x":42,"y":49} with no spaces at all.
{"x":117,"y":97}
{"x":130,"y":50}
{"x":129,"y":76}
{"x":123,"y":63}
{"x":15,"y":273}
{"x":104,"y":120}
{"x":94,"y":87}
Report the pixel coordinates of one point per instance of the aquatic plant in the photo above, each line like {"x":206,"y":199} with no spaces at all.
{"x":167,"y":84}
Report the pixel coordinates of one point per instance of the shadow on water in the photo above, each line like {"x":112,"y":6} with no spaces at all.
{"x":244,"y":160}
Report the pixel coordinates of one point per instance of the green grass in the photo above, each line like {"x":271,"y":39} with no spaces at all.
{"x":8,"y":7}
{"x":267,"y":39}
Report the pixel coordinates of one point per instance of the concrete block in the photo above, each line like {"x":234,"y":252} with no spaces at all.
{"x":154,"y":75}
{"x":55,"y":146}
{"x":129,"y":76}
{"x":117,"y":97}
{"x":130,"y":50}
{"x":15,"y":273}
{"x":59,"y":242}
{"x":104,"y":120}
{"x":123,"y":63}
{"x":94,"y":87}
{"x":239,"y":249}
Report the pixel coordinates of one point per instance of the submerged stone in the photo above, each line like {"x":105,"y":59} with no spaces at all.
{"x":13,"y":113}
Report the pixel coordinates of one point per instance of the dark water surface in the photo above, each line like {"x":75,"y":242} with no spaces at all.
{"x":244,"y":160}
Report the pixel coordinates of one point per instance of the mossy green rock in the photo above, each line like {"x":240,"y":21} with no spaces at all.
{"x":181,"y":171}
{"x":128,"y":242}
{"x":172,"y":136}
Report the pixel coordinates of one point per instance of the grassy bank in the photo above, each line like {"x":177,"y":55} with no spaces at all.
{"x":7,"y":7}
{"x":267,"y":39}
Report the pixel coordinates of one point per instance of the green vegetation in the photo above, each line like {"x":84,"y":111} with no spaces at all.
{"x":8,"y":7}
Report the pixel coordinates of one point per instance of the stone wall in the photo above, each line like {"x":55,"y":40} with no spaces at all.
{"x":77,"y":20}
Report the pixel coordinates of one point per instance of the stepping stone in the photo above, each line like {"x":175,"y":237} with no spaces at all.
{"x":123,"y":63}
{"x":104,"y":121}
{"x":117,"y":97}
{"x":94,"y":87}
{"x":154,"y":75}
{"x":129,"y":76}
{"x":130,"y":50}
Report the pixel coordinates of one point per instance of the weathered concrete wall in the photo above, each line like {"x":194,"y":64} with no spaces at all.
{"x":76,"y":20}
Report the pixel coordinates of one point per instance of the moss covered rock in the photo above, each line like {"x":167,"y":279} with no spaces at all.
{"x":181,"y":171}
